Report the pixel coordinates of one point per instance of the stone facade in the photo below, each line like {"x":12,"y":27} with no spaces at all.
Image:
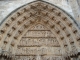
{"x":39,"y":31}
{"x":40,"y":44}
{"x":76,"y":9}
{"x":8,"y":6}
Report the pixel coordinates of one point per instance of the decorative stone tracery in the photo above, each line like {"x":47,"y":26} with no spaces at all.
{"x":59,"y":24}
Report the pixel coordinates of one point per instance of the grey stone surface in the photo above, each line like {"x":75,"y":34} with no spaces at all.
{"x":7,"y":6}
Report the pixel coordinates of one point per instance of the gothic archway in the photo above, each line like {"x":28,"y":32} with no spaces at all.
{"x":61,"y":25}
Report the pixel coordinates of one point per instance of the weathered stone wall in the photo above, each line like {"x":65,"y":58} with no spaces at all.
{"x":59,"y":23}
{"x":78,"y":3}
{"x":75,"y":9}
{"x":8,"y":6}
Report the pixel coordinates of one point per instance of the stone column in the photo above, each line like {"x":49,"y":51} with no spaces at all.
{"x":75,"y":9}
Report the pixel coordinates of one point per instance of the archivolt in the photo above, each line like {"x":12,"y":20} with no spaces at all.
{"x":61,"y":25}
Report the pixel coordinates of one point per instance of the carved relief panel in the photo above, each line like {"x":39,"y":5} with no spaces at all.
{"x":38,"y":44}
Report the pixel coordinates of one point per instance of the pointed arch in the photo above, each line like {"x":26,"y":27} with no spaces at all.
{"x":59,"y":22}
